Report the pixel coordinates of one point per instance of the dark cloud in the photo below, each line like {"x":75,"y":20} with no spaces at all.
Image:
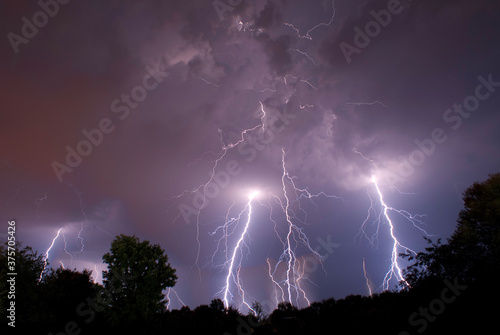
{"x":268,"y":16}
{"x":279,"y":57}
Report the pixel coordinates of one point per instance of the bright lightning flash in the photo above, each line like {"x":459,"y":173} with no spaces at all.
{"x":289,"y":265}
{"x":294,"y":236}
{"x":46,"y":257}
{"x":394,"y":270}
{"x":231,"y":275}
{"x":253,"y":194}
{"x":203,"y":187}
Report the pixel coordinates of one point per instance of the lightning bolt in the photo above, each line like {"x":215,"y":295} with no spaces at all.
{"x":238,"y":226}
{"x":364,"y":157}
{"x":368,"y":281}
{"x":288,"y":255}
{"x":79,"y":195}
{"x":231,"y":276}
{"x":305,"y":106}
{"x":263,"y":116}
{"x":288,"y":263}
{"x":46,"y":257}
{"x":307,"y":34}
{"x":303,"y":53}
{"x":376,"y":102}
{"x":306,"y":81}
{"x":225,"y":149}
{"x":271,"y":275}
{"x":202,"y":188}
{"x":301,"y":270}
{"x":289,"y":252}
{"x":38,"y":202}
{"x":66,"y":229}
{"x":383,"y":216}
{"x":85,"y":222}
{"x":80,"y":238}
{"x":169,"y":291}
{"x":265,"y":90}
{"x":96,"y":273}
{"x":66,"y":248}
{"x":294,"y":237}
{"x":208,"y":82}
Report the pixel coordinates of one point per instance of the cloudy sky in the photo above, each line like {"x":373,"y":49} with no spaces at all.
{"x":160,"y":119}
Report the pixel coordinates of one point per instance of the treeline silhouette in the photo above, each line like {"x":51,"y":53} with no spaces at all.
{"x":451,"y":288}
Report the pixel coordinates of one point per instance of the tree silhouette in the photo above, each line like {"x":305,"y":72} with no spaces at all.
{"x":137,"y":274}
{"x":473,"y":250}
{"x":217,"y":305}
{"x":259,"y":312}
{"x":29,"y":266}
{"x":62,"y":290}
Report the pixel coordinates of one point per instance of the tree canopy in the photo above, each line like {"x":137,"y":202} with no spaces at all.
{"x":29,"y":266}
{"x":473,"y":250}
{"x":137,"y":274}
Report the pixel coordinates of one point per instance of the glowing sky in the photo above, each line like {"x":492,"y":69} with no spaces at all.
{"x":113,"y":114}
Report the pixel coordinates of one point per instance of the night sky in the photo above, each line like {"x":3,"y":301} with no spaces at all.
{"x":118,"y":116}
